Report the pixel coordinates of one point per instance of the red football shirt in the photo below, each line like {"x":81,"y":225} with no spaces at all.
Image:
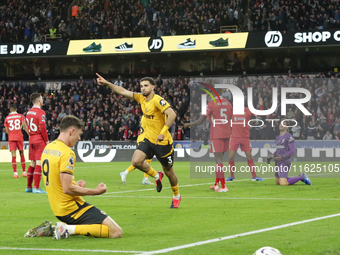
{"x":14,"y":123}
{"x":217,"y":114}
{"x":240,"y":127}
{"x":35,"y":119}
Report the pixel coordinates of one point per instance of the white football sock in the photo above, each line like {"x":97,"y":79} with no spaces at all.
{"x":176,"y":197}
{"x":71,"y":229}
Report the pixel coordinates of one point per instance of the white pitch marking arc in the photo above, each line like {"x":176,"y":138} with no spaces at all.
{"x":180,"y":247}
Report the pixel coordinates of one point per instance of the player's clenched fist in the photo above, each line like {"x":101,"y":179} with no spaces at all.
{"x":81,"y":183}
{"x":101,"y":188}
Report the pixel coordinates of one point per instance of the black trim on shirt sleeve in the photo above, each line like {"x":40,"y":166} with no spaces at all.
{"x":66,"y":173}
{"x":166,"y":109}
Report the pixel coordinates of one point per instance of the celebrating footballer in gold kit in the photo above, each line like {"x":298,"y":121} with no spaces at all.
{"x":159,"y":116}
{"x":56,"y":161}
{"x":64,"y":193}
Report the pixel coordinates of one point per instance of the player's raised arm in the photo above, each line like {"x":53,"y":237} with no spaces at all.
{"x":117,"y":89}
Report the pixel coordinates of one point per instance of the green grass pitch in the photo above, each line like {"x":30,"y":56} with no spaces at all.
{"x":148,"y":224}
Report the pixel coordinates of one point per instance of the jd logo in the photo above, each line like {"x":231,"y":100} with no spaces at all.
{"x":155,"y":44}
{"x":273,"y":39}
{"x":88,"y":153}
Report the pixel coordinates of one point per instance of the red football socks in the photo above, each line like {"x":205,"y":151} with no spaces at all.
{"x":14,"y":164}
{"x":30,"y":171}
{"x":220,"y":174}
{"x":232,"y":168}
{"x":252,"y":167}
{"x":37,"y":176}
{"x":23,"y":163}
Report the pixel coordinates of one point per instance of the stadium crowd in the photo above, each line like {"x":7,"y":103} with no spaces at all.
{"x":324,"y":106}
{"x":107,"y":116}
{"x":112,"y":117}
{"x":27,"y":20}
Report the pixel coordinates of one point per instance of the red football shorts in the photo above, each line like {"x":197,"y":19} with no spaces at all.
{"x":13,"y":145}
{"x":35,"y":150}
{"x":219,"y":145}
{"x":243,"y":142}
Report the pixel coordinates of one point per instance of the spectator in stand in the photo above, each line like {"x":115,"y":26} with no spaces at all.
{"x":327,"y":136}
{"x":319,"y":132}
{"x":56,"y":130}
{"x":336,"y":125}
{"x":103,"y":134}
{"x":325,"y":126}
{"x":179,"y":131}
{"x":111,"y":133}
{"x":120,"y":134}
{"x":311,"y":131}
{"x":62,"y":114}
{"x":290,"y":113}
{"x":86,"y":134}
{"x":186,"y":131}
{"x":96,"y":135}
{"x":296,"y":130}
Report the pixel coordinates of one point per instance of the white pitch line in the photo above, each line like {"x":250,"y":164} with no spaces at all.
{"x":69,"y":250}
{"x":239,"y":198}
{"x":237,"y":235}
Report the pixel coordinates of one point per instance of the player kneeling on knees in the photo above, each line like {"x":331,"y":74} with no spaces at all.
{"x":64,"y":193}
{"x":285,"y":145}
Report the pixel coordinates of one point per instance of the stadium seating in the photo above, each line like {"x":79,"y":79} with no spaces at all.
{"x":66,"y":19}
{"x":115,"y":116}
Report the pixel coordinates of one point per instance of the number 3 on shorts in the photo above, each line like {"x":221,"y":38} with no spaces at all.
{"x":169,"y":160}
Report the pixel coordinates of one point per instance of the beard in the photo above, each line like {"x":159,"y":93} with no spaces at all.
{"x":146,"y":93}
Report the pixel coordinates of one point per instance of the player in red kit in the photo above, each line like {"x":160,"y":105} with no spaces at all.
{"x":219,"y":135}
{"x":240,"y":138}
{"x":35,"y":119}
{"x":14,"y":123}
